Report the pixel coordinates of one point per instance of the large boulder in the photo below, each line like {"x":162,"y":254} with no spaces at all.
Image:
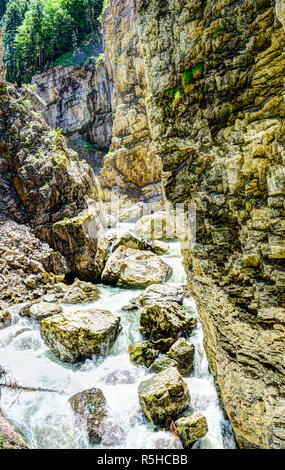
{"x":41,"y":310}
{"x":10,"y":438}
{"x":142,"y":353}
{"x":130,"y":240}
{"x":183,"y":354}
{"x":162,"y":363}
{"x":128,"y":267}
{"x":91,"y":406}
{"x":157,"y":293}
{"x":167,"y":320}
{"x":156,"y":226}
{"x":73,"y":336}
{"x":191,"y":428}
{"x":165,"y":394}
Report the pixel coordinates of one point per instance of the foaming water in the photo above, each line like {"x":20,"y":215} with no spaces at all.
{"x":46,"y":419}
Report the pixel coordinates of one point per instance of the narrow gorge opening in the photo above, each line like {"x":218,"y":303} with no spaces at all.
{"x":142,"y":183}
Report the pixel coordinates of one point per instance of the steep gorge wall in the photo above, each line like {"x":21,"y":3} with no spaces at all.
{"x":215,"y":74}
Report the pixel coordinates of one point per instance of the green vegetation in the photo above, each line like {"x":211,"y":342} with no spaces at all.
{"x":220,"y":30}
{"x":40,"y":33}
{"x":174,"y":96}
{"x":2,"y":436}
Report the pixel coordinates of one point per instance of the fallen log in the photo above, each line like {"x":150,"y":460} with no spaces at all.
{"x":15,"y":386}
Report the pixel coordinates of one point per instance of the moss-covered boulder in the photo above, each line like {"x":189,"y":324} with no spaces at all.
{"x":162,"y":363}
{"x":10,"y":438}
{"x":191,"y":428}
{"x":130,"y":240}
{"x":5,"y":319}
{"x":183,"y":354}
{"x":161,"y":293}
{"x":73,"y":336}
{"x":156,"y":226}
{"x":167,"y":320}
{"x":142,"y":353}
{"x":164,"y":395}
{"x":91,"y":406}
{"x":159,"y":247}
{"x":128,"y":267}
{"x":41,"y":310}
{"x":80,"y":292}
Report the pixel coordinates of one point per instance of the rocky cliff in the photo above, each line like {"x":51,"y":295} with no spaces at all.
{"x":48,"y":210}
{"x":215,"y":73}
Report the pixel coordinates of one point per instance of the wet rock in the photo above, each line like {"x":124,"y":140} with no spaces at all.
{"x":156,"y":226}
{"x":161,"y":293}
{"x":130,"y":240}
{"x":10,"y":437}
{"x":73,"y":336}
{"x":142,"y":353}
{"x":127,"y":267}
{"x":5,"y":319}
{"x":25,"y":311}
{"x":21,"y":331}
{"x":91,"y":406}
{"x":162,"y":363}
{"x":164,"y":395}
{"x":120,"y":377}
{"x":163,"y":344}
{"x":81,"y":292}
{"x":166,"y":320}
{"x":42,"y":310}
{"x":191,"y":428}
{"x":183,"y":354}
{"x":132,"y":305}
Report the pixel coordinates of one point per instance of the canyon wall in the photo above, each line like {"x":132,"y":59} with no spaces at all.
{"x":215,"y":76}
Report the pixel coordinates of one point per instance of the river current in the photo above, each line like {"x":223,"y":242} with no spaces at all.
{"x":46,"y":419}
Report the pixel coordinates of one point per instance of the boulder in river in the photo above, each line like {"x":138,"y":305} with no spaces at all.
{"x":162,"y":363}
{"x":191,"y":428}
{"x":91,"y":406}
{"x":165,"y":394}
{"x":166,"y":320}
{"x":183,"y":354}
{"x":128,"y":267}
{"x":73,"y":336}
{"x":41,"y":310}
{"x":10,"y":438}
{"x":156,"y":226}
{"x":5,"y":318}
{"x":142,"y":353}
{"x":130,"y":240}
{"x":157,"y":293}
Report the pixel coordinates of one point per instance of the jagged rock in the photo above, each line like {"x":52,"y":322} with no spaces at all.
{"x":5,"y":318}
{"x":191,"y":428}
{"x":80,"y":292}
{"x":166,"y":320}
{"x":91,"y":406}
{"x":135,"y":268}
{"x":157,"y":293}
{"x":132,"y":305}
{"x":130,"y":240}
{"x":42,"y":310}
{"x":183,"y":353}
{"x":162,"y":363}
{"x":164,"y":395}
{"x":10,"y":437}
{"x":142,"y":353}
{"x":163,"y":344}
{"x":73,"y":336}
{"x":155,"y":226}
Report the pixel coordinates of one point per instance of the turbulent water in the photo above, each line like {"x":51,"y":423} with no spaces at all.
{"x":46,"y":419}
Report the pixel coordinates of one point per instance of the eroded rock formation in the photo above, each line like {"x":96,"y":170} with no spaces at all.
{"x":215,"y":73}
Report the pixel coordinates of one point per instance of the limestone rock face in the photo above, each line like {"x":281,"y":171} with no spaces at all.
{"x":131,"y":166}
{"x":161,"y":293}
{"x":135,"y":268}
{"x":191,"y":428}
{"x":166,"y":320}
{"x":12,"y":438}
{"x":91,"y":406}
{"x":215,"y":73}
{"x":73,"y":336}
{"x":166,"y":394}
{"x":142,"y":353}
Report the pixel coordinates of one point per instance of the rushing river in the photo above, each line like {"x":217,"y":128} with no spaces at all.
{"x":46,"y":419}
